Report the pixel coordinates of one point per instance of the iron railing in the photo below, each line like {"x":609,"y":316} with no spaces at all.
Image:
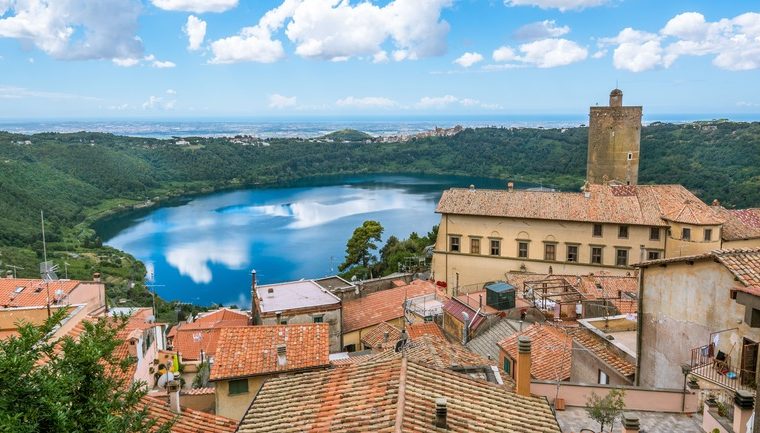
{"x":721,"y":370}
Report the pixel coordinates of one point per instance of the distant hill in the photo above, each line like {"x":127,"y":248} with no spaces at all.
{"x":347,"y":135}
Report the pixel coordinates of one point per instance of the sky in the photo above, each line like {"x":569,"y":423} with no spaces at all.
{"x":163,"y":59}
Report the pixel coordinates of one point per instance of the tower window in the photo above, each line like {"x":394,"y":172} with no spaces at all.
{"x":708,"y":235}
{"x":630,"y":156}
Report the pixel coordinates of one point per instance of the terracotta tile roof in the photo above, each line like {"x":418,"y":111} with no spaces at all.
{"x":373,"y":396}
{"x":740,"y":223}
{"x":225,"y":315}
{"x":382,"y":306}
{"x":190,"y":342}
{"x":648,"y":205}
{"x":252,"y":350}
{"x":21,"y":292}
{"x":355,"y":359}
{"x":599,"y":348}
{"x":189,"y":421}
{"x":198,"y":391}
{"x":416,"y":330}
{"x":551,"y":351}
{"x":375,"y":338}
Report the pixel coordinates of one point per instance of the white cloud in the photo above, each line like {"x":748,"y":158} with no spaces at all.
{"x":163,"y":64}
{"x":734,"y":43}
{"x":11,"y":92}
{"x":279,"y":101}
{"x":195,"y":29}
{"x":504,"y":54}
{"x":171,"y":92}
{"x":442,"y":102}
{"x":197,"y":6}
{"x":599,"y":54}
{"x":436,"y":101}
{"x":540,"y":30}
{"x":468,"y":59}
{"x":158,"y":103}
{"x":126,"y":62}
{"x":380,"y":57}
{"x":337,"y":29}
{"x":562,"y":5}
{"x":76,"y":30}
{"x":366,"y":102}
{"x":151,"y":59}
{"x":544,"y":53}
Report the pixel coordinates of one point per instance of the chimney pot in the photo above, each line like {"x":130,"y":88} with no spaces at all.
{"x":9,"y":274}
{"x":96,"y":277}
{"x":386,"y":336}
{"x":523,"y":344}
{"x":630,"y":423}
{"x":510,"y":186}
{"x":270,"y":290}
{"x":172,"y":388}
{"x":441,"y":413}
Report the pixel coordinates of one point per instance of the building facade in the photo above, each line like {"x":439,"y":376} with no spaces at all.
{"x":485,"y":234}
{"x":702,"y":312}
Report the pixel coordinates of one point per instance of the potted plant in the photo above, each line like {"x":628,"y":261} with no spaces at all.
{"x":693,"y":382}
{"x":710,"y":400}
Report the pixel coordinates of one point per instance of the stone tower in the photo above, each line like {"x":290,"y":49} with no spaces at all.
{"x":614,"y":138}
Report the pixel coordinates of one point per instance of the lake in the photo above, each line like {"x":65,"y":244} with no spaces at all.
{"x":201,"y":250}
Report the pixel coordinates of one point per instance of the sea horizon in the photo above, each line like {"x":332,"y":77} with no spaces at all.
{"x":314,"y":126}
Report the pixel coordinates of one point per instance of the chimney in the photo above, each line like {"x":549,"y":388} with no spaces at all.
{"x":386,"y":336}
{"x":440,"y":413}
{"x":9,"y":275}
{"x":270,"y":292}
{"x":281,"y":358}
{"x":743,"y":405}
{"x":172,"y":388}
{"x":466,"y":320}
{"x":510,"y":186}
{"x":96,"y":277}
{"x":523,"y":365}
{"x":630,"y":423}
{"x":716,"y":202}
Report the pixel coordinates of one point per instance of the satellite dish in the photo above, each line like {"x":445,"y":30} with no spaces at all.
{"x":165,"y":379}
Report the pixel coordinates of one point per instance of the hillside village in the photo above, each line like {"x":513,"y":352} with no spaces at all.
{"x":534,"y":302}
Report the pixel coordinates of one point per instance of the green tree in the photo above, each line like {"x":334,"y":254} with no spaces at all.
{"x":66,"y":385}
{"x":359,"y":248}
{"x":605,"y":410}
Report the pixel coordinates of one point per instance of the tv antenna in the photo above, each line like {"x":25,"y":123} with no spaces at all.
{"x":47,"y":269}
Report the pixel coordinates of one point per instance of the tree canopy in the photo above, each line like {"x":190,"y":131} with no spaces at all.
{"x":360,"y":247}
{"x":66,"y":385}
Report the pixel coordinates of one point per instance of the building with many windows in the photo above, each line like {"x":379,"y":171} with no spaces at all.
{"x":485,"y":234}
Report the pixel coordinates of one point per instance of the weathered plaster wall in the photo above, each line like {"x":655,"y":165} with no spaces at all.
{"x":585,"y":368}
{"x":682,"y":305}
{"x":331,"y":317}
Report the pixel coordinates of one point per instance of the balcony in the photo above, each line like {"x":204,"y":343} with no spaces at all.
{"x":732,"y":371}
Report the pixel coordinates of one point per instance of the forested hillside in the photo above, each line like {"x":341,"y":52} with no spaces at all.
{"x":79,"y":177}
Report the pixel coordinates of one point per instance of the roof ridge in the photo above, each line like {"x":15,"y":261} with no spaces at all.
{"x":401,"y":403}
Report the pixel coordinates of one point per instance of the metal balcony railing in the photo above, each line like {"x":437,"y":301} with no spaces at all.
{"x":720,"y":369}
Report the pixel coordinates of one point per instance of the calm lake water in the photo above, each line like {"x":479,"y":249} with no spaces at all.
{"x":202,"y":250}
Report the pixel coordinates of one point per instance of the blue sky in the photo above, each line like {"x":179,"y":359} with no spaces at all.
{"x":250,"y":59}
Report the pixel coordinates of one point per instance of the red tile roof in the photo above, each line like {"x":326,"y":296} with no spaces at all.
{"x":190,"y":342}
{"x":744,"y":263}
{"x":375,"y":338}
{"x":382,"y":306}
{"x":649,"y":205}
{"x":252,"y":350}
{"x":225,"y":315}
{"x":740,"y":223}
{"x":551,"y":351}
{"x":601,"y":350}
{"x":189,"y":420}
{"x":21,"y":292}
{"x":416,"y":330}
{"x":392,"y":395}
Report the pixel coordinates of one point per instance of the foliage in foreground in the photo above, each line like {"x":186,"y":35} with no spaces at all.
{"x":66,"y":385}
{"x":605,"y":410}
